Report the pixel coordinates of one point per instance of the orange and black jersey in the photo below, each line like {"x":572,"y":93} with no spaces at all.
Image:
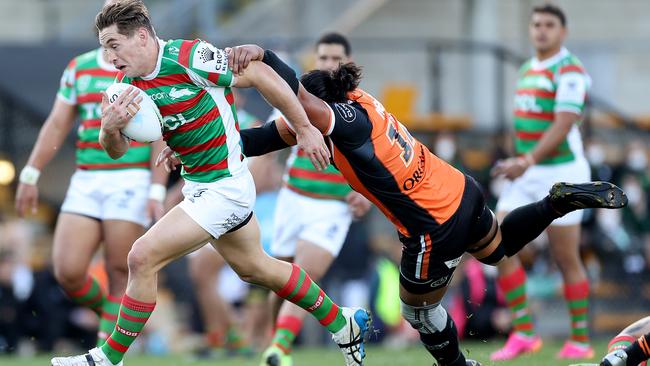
{"x":380,"y":159}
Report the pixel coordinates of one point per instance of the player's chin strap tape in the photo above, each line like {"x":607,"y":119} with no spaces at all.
{"x":261,"y":140}
{"x":426,"y":319}
{"x":282,"y":69}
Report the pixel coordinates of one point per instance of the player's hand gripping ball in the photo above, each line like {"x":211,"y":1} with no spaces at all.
{"x":146,"y":124}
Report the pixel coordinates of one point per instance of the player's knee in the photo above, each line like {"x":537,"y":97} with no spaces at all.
{"x":69,"y":277}
{"x":248,"y":271}
{"x":140,"y":256}
{"x":426,"y":319}
{"x":249,"y":275}
{"x":497,"y":255}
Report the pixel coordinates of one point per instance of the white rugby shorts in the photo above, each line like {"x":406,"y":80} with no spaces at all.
{"x":535,"y":183}
{"x":323,"y":222}
{"x":220,"y":206}
{"x":109,"y":195}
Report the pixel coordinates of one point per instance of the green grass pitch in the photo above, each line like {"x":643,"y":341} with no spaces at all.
{"x":377,"y":356}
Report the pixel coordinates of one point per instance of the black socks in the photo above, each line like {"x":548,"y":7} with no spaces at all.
{"x":524,"y":224}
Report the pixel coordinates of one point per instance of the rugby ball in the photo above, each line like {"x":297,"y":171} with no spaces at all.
{"x":146,"y":125}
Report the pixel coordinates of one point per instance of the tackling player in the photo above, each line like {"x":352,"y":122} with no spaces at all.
{"x":108,"y":201}
{"x":312,"y":217}
{"x":549,"y":105}
{"x":191,"y":81}
{"x":631,"y":347}
{"x":439,"y":212}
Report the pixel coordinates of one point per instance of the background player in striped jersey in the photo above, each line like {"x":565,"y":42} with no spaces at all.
{"x":439,"y":212}
{"x":108,"y":201}
{"x":549,"y":103}
{"x":191,"y":81}
{"x":312,"y":217}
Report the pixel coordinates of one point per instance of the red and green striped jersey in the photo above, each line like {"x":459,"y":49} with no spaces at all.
{"x":303,"y":178}
{"x":81,"y":85}
{"x":557,"y":84}
{"x":191,"y":87}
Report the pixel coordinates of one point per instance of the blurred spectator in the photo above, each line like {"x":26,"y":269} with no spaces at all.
{"x":478,"y":307}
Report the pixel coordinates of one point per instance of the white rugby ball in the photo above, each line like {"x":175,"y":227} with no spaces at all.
{"x":146,"y":125}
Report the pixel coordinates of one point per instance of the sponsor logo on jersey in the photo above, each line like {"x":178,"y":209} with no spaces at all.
{"x":103,"y":84}
{"x":439,"y":282}
{"x":418,"y":174}
{"x":346,"y":112}
{"x":179,"y":93}
{"x":174,"y":121}
{"x":158,"y":96}
{"x":452,"y":263}
{"x":210,"y":59}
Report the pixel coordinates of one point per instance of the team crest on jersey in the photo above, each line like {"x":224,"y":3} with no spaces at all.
{"x":174,"y":51}
{"x":346,"y":112}
{"x":179,"y":93}
{"x":210,"y":59}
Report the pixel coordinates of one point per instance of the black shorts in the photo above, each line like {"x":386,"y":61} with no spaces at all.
{"x":429,"y":259}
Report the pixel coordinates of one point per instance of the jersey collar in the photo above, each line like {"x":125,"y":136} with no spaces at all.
{"x":155,"y":71}
{"x":536,"y":64}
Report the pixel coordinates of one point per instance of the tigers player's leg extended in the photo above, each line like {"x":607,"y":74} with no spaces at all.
{"x":429,"y":260}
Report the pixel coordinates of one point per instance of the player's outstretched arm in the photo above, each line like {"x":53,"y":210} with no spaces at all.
{"x":278,"y":94}
{"x":115,"y":116}
{"x":54,"y":131}
{"x":317,"y":111}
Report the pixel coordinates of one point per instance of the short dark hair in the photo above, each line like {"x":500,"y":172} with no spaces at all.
{"x":335,"y":38}
{"x":553,"y":10}
{"x":128,"y":15}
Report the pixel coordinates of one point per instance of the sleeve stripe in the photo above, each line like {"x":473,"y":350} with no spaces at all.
{"x":185,"y":52}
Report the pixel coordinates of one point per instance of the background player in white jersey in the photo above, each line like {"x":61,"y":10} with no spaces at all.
{"x":109,"y":202}
{"x":549,"y":104}
{"x":219,"y":191}
{"x":312,"y":218}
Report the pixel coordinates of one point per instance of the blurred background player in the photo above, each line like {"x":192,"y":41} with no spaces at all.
{"x":549,"y":104}
{"x":312,"y":217}
{"x":108,"y":201}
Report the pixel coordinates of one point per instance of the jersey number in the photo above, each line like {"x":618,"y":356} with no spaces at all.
{"x":398,"y":134}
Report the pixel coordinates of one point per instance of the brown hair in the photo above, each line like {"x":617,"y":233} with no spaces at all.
{"x":128,"y":15}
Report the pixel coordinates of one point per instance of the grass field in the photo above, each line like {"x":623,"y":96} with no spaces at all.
{"x":331,"y":357}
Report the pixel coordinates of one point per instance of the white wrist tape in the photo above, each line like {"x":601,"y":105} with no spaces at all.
{"x":29,"y":175}
{"x":157,"y":192}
